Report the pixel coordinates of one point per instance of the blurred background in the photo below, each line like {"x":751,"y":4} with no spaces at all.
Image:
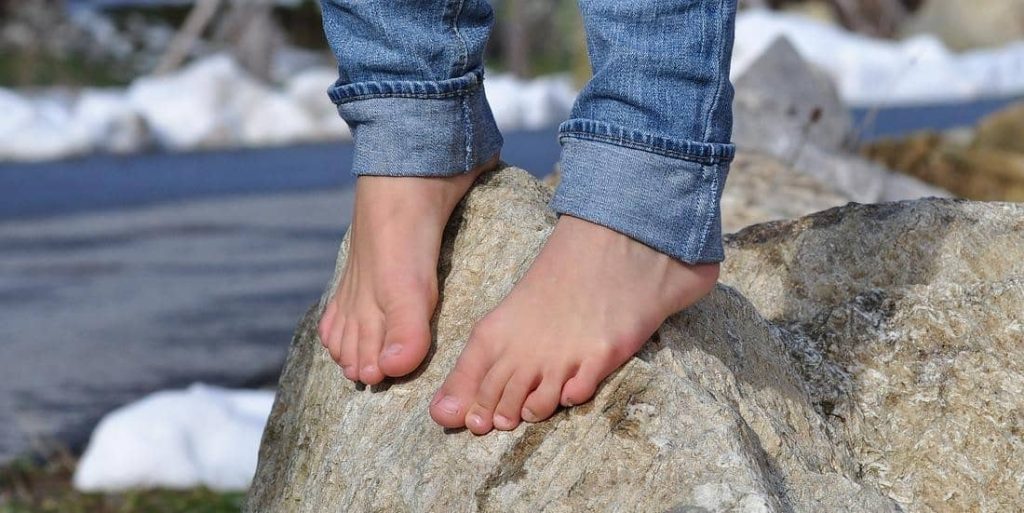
{"x":174,"y":183}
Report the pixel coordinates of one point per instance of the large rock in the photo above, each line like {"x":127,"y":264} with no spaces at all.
{"x":711,"y":415}
{"x":907,"y":320}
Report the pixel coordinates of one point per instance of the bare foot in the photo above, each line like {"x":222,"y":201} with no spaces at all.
{"x":378,"y":322}
{"x":588,"y":303}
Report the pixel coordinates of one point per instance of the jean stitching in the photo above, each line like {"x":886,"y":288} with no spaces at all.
{"x":628,"y":143}
{"x":667,"y":146}
{"x":708,"y":191}
{"x":340,"y":98}
{"x":460,"y":64}
{"x":467,"y":132}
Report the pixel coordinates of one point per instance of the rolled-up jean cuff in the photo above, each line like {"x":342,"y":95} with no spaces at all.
{"x":419,"y":130}
{"x":670,"y":204}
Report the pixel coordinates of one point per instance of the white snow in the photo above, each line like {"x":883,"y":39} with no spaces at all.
{"x":201,"y":436}
{"x":308,"y":89}
{"x":37,"y":128}
{"x":213,"y":102}
{"x":108,"y":122}
{"x":529,"y":104}
{"x":870,"y":72}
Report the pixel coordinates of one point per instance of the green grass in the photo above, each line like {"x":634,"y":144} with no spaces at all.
{"x":28,"y":487}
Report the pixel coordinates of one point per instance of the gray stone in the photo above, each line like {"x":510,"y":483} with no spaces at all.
{"x":783,"y":103}
{"x":786,"y":108}
{"x":906,"y":321}
{"x":711,"y":415}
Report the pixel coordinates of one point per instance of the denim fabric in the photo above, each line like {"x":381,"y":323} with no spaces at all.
{"x":409,"y":86}
{"x":645,"y":152}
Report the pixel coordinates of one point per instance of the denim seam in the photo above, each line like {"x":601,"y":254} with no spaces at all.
{"x":702,"y":243}
{"x":722,"y":78}
{"x":450,"y":88}
{"x":468,"y":132}
{"x":695,"y":151}
{"x":460,"y":64}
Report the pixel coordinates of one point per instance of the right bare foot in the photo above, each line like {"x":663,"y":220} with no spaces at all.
{"x":378,"y":322}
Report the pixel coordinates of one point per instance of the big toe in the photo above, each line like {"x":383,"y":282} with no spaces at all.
{"x":452,"y":402}
{"x":406,"y":340}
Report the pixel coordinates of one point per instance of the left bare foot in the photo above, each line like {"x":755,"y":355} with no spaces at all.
{"x":588,"y":303}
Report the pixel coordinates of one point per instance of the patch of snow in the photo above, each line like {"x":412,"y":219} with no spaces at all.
{"x":201,"y":436}
{"x":185,"y":109}
{"x":529,"y":104}
{"x":37,"y":129}
{"x":309,"y":90}
{"x":109,"y":122}
{"x":871,"y":71}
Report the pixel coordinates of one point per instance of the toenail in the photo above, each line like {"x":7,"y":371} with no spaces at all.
{"x":477,"y":421}
{"x":393,"y":349}
{"x":449,"y":405}
{"x":502,"y":420}
{"x":528,"y":415}
{"x":370,"y":369}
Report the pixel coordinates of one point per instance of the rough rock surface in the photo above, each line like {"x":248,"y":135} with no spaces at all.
{"x":711,"y":416}
{"x":908,"y":321}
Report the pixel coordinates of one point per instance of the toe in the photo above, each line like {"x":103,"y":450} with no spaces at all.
{"x":406,"y":340}
{"x":580,"y":387}
{"x":349,"y":357}
{"x":332,"y":339}
{"x":371,"y":339}
{"x":507,"y":413}
{"x":543,"y":401}
{"x":326,"y":322}
{"x":480,"y":417}
{"x":335,"y":340}
{"x":451,"y":403}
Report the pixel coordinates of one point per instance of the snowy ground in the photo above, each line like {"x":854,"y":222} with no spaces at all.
{"x":214,"y":103}
{"x":177,"y":439}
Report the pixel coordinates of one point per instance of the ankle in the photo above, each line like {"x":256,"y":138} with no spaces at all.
{"x":695,"y":282}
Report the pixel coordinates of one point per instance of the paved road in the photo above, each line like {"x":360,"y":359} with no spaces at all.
{"x":99,"y":309}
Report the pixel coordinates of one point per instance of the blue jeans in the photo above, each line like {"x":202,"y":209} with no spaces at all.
{"x":645,"y":152}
